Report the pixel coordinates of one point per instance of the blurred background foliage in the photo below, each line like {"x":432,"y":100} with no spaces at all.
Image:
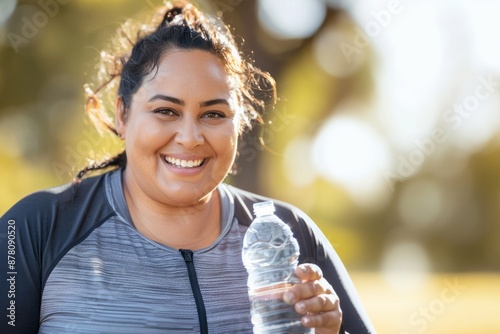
{"x":386,"y":133}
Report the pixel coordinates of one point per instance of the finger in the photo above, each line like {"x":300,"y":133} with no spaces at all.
{"x":318,"y":304}
{"x":308,"y":272}
{"x":307,"y":290}
{"x":332,"y":320}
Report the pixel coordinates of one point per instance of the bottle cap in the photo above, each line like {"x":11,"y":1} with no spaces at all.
{"x":263,"y":208}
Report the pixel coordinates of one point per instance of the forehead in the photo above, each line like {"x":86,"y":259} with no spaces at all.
{"x":189,"y":73}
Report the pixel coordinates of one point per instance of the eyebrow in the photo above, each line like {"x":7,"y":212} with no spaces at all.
{"x":213,"y":102}
{"x":167,"y":98}
{"x":181,"y":103}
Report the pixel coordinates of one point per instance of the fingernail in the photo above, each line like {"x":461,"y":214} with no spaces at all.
{"x":301,"y":307}
{"x":288,"y":297}
{"x":306,"y":320}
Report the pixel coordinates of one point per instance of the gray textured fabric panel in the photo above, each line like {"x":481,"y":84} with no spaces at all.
{"x":118,"y":281}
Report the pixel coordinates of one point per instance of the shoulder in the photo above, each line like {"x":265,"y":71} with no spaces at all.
{"x":56,"y":210}
{"x":247,"y":199}
{"x":311,"y":239}
{"x":293,"y":216}
{"x":47,"y":223}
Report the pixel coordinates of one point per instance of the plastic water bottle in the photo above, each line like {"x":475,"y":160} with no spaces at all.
{"x":270,"y":255}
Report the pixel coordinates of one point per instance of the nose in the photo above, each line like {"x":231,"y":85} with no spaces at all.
{"x":189,"y":134}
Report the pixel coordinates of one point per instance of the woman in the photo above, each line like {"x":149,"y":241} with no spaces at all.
{"x":155,"y":245}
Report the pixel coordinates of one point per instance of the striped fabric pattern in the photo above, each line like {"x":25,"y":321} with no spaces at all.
{"x":118,"y":281}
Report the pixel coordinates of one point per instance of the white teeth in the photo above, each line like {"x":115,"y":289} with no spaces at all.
{"x":183,"y":163}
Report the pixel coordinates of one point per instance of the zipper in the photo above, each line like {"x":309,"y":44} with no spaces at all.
{"x":187,"y":254}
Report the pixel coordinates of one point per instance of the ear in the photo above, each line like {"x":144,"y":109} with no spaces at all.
{"x":119,"y":119}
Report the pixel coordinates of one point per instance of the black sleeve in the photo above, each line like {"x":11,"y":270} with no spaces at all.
{"x":20,"y":267}
{"x":355,"y":319}
{"x":34,"y":235}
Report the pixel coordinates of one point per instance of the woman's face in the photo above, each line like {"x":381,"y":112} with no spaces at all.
{"x":181,"y":130}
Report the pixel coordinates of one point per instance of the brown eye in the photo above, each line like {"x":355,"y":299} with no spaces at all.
{"x":165,"y":111}
{"x":214,"y":114}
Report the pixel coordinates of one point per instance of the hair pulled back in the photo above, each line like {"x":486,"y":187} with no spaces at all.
{"x":178,"y":26}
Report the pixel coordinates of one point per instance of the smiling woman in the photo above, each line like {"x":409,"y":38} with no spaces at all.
{"x":182,"y":138}
{"x":155,"y":244}
{"x":184,"y":110}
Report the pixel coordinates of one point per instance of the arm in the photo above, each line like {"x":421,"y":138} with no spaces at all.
{"x":20,"y":293}
{"x":320,"y":252}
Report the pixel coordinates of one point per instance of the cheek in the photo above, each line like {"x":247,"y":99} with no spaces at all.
{"x":227,"y":140}
{"x":144,"y":131}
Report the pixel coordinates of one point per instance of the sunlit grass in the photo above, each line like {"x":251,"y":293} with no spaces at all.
{"x":447,"y":303}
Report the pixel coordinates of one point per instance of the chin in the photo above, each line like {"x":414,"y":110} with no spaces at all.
{"x":188,"y":196}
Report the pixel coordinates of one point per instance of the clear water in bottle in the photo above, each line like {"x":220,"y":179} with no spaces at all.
{"x":270,"y":254}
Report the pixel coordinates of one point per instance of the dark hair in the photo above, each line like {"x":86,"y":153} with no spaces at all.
{"x":182,"y":26}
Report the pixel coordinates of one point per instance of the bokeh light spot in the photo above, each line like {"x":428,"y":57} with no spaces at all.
{"x":299,"y":168}
{"x":349,"y":152}
{"x":7,"y":8}
{"x":405,"y":265}
{"x":335,"y":53}
{"x":420,"y":203}
{"x":288,"y":19}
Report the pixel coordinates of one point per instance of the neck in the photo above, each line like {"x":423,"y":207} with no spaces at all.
{"x":181,"y":227}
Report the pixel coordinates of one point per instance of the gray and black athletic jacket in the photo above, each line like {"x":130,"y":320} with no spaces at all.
{"x":71,"y":261}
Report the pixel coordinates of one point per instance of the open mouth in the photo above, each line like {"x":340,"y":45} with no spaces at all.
{"x":184,"y":163}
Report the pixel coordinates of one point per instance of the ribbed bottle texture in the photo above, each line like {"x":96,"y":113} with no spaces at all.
{"x":270,"y":254}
